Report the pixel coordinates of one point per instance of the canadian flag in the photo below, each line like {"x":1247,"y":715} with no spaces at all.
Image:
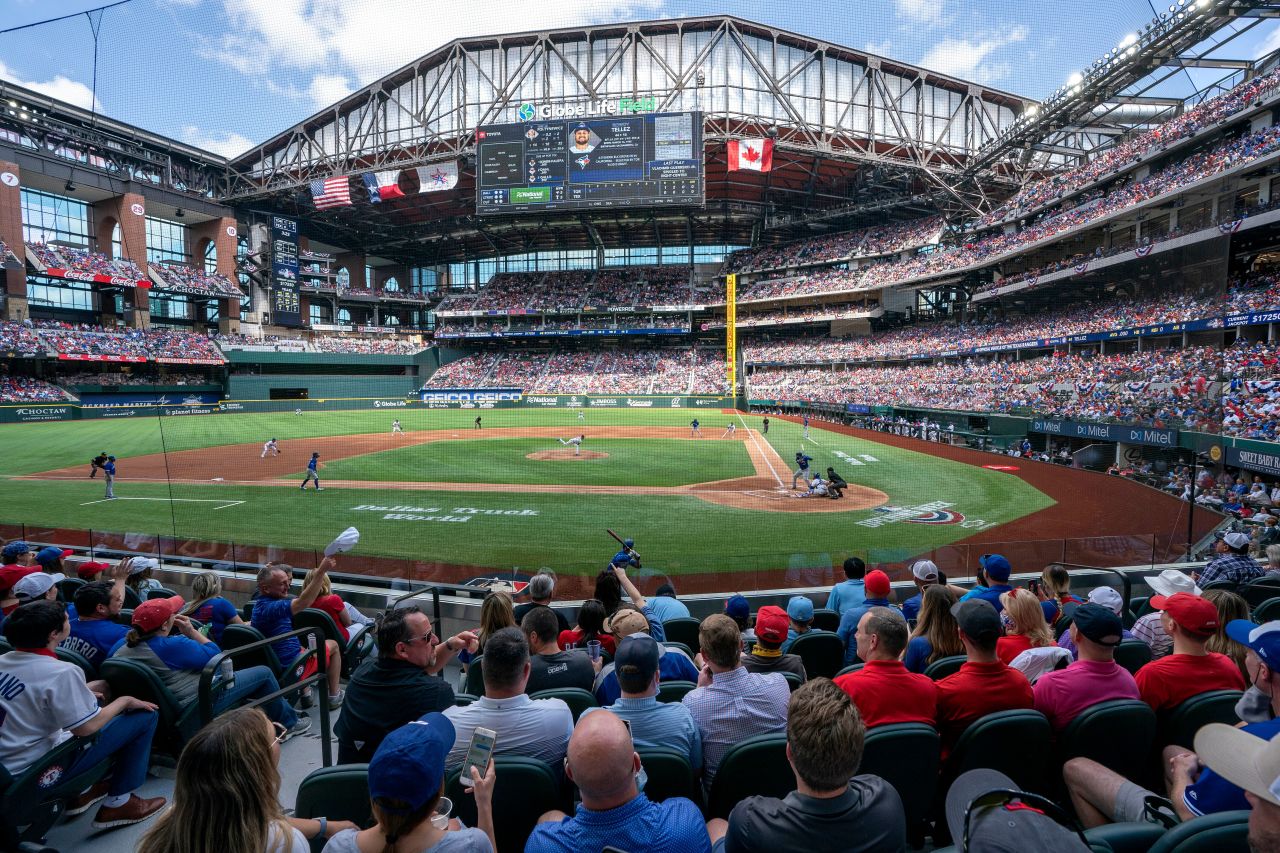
{"x":754,"y":155}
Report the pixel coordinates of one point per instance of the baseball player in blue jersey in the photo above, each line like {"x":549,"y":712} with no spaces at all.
{"x":312,"y":473}
{"x":109,"y":469}
{"x":805,"y":421}
{"x":627,"y":557}
{"x":695,"y":429}
{"x":802,"y":468}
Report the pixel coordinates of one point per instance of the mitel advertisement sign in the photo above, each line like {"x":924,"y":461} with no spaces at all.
{"x":1125,"y":433}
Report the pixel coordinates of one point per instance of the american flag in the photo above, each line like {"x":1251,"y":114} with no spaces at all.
{"x":1142,"y":251}
{"x":331,"y":192}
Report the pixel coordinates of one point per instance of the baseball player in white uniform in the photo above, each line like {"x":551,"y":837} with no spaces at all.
{"x":817,"y":489}
{"x":395,"y":428}
{"x":297,"y":411}
{"x":730,"y":430}
{"x":270,"y":447}
{"x":576,"y":442}
{"x":581,"y":415}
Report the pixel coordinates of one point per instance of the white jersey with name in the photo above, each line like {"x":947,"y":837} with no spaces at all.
{"x":41,"y":699}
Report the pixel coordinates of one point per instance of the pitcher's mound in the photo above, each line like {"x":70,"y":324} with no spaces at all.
{"x":565,"y":455}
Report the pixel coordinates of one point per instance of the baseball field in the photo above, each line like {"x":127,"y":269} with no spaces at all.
{"x":446,"y":500}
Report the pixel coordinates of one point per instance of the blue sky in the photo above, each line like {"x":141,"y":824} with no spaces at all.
{"x":224,"y":74}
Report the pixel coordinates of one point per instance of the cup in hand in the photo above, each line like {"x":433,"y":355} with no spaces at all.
{"x":593,"y":649}
{"x":440,"y":817}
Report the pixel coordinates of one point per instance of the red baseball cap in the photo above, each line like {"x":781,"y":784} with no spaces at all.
{"x":150,"y":615}
{"x":876,"y":584}
{"x":1191,"y":612}
{"x":772,"y":623}
{"x":89,"y":570}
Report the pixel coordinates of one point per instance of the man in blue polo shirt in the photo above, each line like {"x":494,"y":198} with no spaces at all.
{"x":273,"y":611}
{"x":993,"y":580}
{"x":850,"y":592}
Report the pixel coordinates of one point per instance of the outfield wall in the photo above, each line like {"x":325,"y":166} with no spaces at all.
{"x":321,"y":386}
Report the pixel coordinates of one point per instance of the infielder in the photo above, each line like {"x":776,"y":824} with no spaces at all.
{"x":109,"y":469}
{"x":802,"y":468}
{"x":695,"y":429}
{"x":765,"y":431}
{"x":312,"y":473}
{"x":805,"y":421}
{"x":576,"y":441}
{"x":730,"y":430}
{"x":395,"y":428}
{"x":270,"y":447}
{"x":581,"y":415}
{"x":478,"y":422}
{"x":297,"y":411}
{"x":95,"y":463}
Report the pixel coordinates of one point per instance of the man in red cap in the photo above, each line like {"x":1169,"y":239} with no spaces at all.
{"x":876,"y":588}
{"x":1168,"y":682}
{"x":771,"y":632}
{"x":883,"y":690}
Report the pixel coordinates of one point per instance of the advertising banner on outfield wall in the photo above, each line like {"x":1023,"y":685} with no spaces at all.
{"x":32,"y":414}
{"x":1253,"y":460}
{"x":1151,"y":436}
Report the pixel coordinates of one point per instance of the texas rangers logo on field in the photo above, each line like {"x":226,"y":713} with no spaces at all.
{"x":934,"y":512}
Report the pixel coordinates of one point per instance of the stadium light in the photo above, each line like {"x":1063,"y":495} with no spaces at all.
{"x":1075,"y":79}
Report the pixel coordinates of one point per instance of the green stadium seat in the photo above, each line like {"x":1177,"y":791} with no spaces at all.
{"x":162,"y":592}
{"x":1226,"y":832}
{"x":821,"y":651}
{"x":1267,"y":610}
{"x":1141,"y":605}
{"x":1260,"y":589}
{"x":474,"y":681}
{"x":354,"y":649}
{"x":906,"y":755}
{"x":525,"y":789}
{"x":673,"y":646}
{"x":79,"y":660}
{"x":30,"y":806}
{"x":5,"y":647}
{"x":1229,"y":586}
{"x":235,"y":636}
{"x":1128,"y":837}
{"x":1117,"y":734}
{"x":576,"y":698}
{"x":943,"y":667}
{"x":340,"y":792}
{"x":826,"y":620}
{"x":1133,"y":654}
{"x":67,"y":589}
{"x":1016,"y":743}
{"x":177,"y":723}
{"x":682,"y":629}
{"x":673,"y":691}
{"x":1180,"y":725}
{"x":793,"y":681}
{"x":756,"y":766}
{"x":669,"y":775}
{"x":461,"y":699}
{"x":131,"y":598}
{"x":853,"y":667}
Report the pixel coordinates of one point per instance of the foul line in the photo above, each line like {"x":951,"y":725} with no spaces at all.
{"x":760,"y":450}
{"x":224,"y":503}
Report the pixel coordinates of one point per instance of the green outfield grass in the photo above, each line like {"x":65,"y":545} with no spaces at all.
{"x":630,"y":462}
{"x":677,"y":533}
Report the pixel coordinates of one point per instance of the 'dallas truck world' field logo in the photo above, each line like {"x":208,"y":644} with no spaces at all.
{"x":933,"y":512}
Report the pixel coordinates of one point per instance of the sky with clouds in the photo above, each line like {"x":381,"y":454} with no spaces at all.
{"x":223,"y":74}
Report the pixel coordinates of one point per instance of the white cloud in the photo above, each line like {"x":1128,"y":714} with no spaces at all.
{"x":325,"y":89}
{"x":62,"y":88}
{"x":879,"y":48}
{"x":973,"y":58}
{"x":1271,"y":43}
{"x":351,"y":42}
{"x":921,"y":11}
{"x":228,"y":144}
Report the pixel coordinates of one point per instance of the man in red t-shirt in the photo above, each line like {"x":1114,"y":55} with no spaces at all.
{"x":1168,"y":682}
{"x":984,"y":684}
{"x":883,"y":690}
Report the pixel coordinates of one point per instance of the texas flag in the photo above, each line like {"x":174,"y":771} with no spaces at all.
{"x":383,"y":186}
{"x":754,"y":155}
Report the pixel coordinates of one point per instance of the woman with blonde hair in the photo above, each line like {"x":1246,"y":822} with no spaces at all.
{"x":496,"y":613}
{"x":1054,"y":592}
{"x":936,"y":635}
{"x":1026,"y":628}
{"x":1229,"y":606}
{"x":209,"y":608}
{"x":226,"y":794}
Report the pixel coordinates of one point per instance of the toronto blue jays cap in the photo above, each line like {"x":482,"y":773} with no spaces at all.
{"x":737,"y":607}
{"x":1263,"y":639}
{"x":996,"y":567}
{"x":409,"y":765}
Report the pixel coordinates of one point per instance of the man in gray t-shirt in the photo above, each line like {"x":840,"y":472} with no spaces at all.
{"x":550,"y":668}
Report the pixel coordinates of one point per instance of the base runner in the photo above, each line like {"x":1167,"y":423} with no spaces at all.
{"x":312,"y":473}
{"x":109,"y":468}
{"x":270,"y":447}
{"x":576,"y":441}
{"x":730,"y":430}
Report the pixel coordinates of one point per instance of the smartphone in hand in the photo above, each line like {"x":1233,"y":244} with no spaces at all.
{"x":478,"y":753}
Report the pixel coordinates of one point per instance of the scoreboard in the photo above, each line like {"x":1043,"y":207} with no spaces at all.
{"x":590,"y":163}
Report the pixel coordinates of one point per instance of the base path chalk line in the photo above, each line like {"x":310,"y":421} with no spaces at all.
{"x":760,"y":452}
{"x":224,"y":503}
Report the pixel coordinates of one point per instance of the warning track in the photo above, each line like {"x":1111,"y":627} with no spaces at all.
{"x":241,"y":464}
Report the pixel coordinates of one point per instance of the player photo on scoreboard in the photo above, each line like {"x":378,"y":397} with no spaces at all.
{"x":583,"y":139}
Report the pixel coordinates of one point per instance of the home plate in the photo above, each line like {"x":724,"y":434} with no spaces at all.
{"x":217,"y":480}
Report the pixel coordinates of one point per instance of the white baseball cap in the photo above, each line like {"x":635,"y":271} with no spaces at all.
{"x":1243,"y":759}
{"x":1108,"y":598}
{"x":34,"y":586}
{"x":1171,"y":582}
{"x":925,"y":570}
{"x":141,"y":564}
{"x":1236,"y":540}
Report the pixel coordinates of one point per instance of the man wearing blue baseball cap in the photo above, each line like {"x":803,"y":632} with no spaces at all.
{"x":800,"y":612}
{"x":18,"y":560}
{"x":406,"y":780}
{"x":993,"y":580}
{"x":50,"y":559}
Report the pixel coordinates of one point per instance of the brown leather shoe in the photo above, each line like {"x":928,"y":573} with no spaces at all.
{"x":85,"y":801}
{"x":135,"y":811}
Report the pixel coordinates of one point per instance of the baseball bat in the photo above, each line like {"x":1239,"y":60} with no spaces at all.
{"x":615,"y":536}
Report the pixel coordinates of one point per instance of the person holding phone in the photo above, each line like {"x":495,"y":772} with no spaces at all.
{"x":406,"y":784}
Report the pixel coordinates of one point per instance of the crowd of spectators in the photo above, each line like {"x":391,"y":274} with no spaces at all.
{"x":365,"y":346}
{"x":185,"y":279}
{"x":573,"y":290}
{"x":595,"y":322}
{"x":800,"y":314}
{"x":863,"y":242}
{"x":24,"y":389}
{"x":86,"y":339}
{"x":84,"y":262}
{"x":117,"y":378}
{"x":381,"y":293}
{"x":274,"y":342}
{"x":631,"y":370}
{"x":1051,"y":189}
{"x":19,"y":338}
{"x":468,"y":372}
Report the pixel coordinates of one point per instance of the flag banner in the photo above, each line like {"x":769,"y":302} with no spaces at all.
{"x":1142,"y":251}
{"x":752,"y":155}
{"x":1081,"y":268}
{"x":1230,"y":227}
{"x":383,"y":186}
{"x":1136,"y":387}
{"x":331,"y":192}
{"x":437,"y":177}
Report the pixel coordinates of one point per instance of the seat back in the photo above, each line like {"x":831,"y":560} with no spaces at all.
{"x":1267,"y":610}
{"x":353,"y":650}
{"x":943,"y":667}
{"x":67,"y":589}
{"x":853,"y":667}
{"x":793,"y":681}
{"x":162,"y":592}
{"x":755,"y":766}
{"x":673,"y":691}
{"x":821,"y":651}
{"x":337,"y":793}
{"x":905,"y":755}
{"x":576,"y":698}
{"x":682,"y":629}
{"x":134,"y":678}
{"x":1180,"y":725}
{"x":826,"y":620}
{"x":526,"y":788}
{"x":1258,"y":590}
{"x":131,"y":598}
{"x":33,"y":798}
{"x":1133,"y":654}
{"x":669,"y":775}
{"x":1117,"y":734}
{"x":1225,"y":832}
{"x":235,"y":636}
{"x":1016,"y":743}
{"x":474,"y":683}
{"x":69,"y":656}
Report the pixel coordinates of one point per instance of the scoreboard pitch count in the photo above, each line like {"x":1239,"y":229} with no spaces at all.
{"x":590,"y":163}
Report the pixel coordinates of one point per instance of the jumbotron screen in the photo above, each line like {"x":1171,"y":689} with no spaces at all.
{"x":590,"y":163}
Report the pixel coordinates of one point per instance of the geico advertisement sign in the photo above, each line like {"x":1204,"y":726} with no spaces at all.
{"x":469,"y":396}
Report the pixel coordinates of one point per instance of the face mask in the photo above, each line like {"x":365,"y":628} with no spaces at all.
{"x":1005,"y":621}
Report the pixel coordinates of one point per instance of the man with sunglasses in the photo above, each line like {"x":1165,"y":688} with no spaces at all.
{"x":400,"y":685}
